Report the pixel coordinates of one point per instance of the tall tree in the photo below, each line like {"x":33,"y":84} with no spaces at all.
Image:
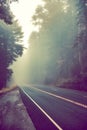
{"x":56,"y":21}
{"x":10,"y":36}
{"x":82,"y":34}
{"x":5,"y":12}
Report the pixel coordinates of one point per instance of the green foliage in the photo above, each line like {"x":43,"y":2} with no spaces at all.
{"x":10,"y":37}
{"x":10,"y":50}
{"x":81,"y":40}
{"x":5,"y":13}
{"x":58,"y":51}
{"x":51,"y":46}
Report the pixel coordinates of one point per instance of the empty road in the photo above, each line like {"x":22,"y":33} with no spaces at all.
{"x":52,"y":108}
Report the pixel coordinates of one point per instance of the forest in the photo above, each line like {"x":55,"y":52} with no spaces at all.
{"x":10,"y":37}
{"x":57,"y":53}
{"x":58,"y":50}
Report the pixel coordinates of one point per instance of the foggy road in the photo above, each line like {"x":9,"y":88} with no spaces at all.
{"x":52,"y":108}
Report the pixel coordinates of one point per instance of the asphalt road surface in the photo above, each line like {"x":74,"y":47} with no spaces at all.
{"x":52,"y":108}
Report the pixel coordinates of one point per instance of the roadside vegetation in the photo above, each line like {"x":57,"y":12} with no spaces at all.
{"x":10,"y":37}
{"x":58,"y":50}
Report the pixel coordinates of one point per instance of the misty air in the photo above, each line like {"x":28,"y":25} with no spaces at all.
{"x":43,"y":65}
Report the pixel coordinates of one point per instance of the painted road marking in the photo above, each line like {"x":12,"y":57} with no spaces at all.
{"x":60,"y":97}
{"x":57,"y":126}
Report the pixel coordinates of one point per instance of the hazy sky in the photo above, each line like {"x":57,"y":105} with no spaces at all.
{"x":43,"y":61}
{"x":23,"y":10}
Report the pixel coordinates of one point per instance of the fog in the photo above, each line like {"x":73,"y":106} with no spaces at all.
{"x":50,"y":56}
{"x":20,"y":70}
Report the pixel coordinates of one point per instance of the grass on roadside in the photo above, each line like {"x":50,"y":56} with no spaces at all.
{"x":7,"y":89}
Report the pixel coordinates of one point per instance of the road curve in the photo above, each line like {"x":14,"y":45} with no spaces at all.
{"x":52,"y":108}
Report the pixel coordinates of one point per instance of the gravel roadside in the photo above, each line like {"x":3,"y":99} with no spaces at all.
{"x":13,"y":114}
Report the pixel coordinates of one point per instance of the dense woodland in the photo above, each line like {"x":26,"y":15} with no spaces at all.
{"x":10,"y":37}
{"x":58,"y":50}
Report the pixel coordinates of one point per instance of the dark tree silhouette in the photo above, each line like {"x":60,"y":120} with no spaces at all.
{"x":5,"y":12}
{"x":10,"y":37}
{"x":82,"y":34}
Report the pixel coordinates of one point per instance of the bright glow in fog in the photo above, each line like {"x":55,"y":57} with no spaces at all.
{"x":19,"y":69}
{"x":23,"y":10}
{"x":41,"y":63}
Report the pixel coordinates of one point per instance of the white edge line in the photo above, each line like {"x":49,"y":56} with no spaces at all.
{"x":57,"y":126}
{"x":60,"y":97}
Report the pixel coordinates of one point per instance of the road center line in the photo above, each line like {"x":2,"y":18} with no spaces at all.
{"x":60,"y":97}
{"x":56,"y":125}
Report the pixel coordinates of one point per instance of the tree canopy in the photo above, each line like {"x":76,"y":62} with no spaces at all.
{"x":56,"y":21}
{"x":58,"y":49}
{"x":10,"y":39}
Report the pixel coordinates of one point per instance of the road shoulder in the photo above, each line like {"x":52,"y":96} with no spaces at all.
{"x":13,"y":114}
